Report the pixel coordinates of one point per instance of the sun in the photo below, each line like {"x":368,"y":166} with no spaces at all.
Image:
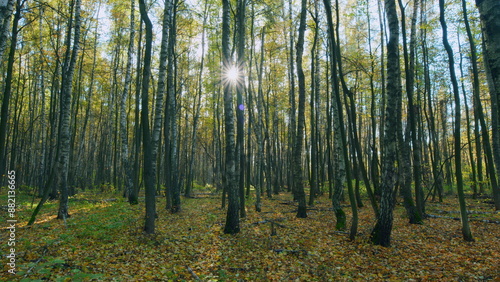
{"x":232,"y":74}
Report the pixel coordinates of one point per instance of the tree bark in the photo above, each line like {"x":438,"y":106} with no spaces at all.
{"x":343,"y":136}
{"x":4,"y":112}
{"x":66,"y":87}
{"x":414,"y":213}
{"x":381,"y":233}
{"x":240,"y":84}
{"x":5,"y":15}
{"x":149,"y":180}
{"x":489,"y":11}
{"x":127,"y":170}
{"x":467,"y":235}
{"x":232,"y":220}
{"x":297,"y":152}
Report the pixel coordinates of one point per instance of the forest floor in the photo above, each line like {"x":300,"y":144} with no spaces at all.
{"x":103,"y":240}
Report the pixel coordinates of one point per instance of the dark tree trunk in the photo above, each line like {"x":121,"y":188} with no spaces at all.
{"x":66,"y":87}
{"x":489,"y":11}
{"x":381,"y":233}
{"x":467,"y":235}
{"x":414,"y":213}
{"x":148,"y":175}
{"x":233,"y":219}
{"x":5,"y":13}
{"x":297,"y":151}
{"x":240,"y":84}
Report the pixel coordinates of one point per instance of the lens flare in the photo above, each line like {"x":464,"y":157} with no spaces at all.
{"x":232,"y":74}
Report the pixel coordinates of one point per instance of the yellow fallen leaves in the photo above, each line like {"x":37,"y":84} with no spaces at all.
{"x":107,"y":239}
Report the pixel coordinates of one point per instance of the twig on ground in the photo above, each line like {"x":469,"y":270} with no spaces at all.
{"x":193,"y":274}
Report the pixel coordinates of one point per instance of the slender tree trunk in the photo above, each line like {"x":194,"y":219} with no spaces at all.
{"x":457,"y":130}
{"x":292,"y":113}
{"x":5,"y":14}
{"x":314,"y":190}
{"x":127,"y":170}
{"x":240,"y":84}
{"x":160,"y":91}
{"x":170,"y":130}
{"x":353,"y":132}
{"x":137,"y":123}
{"x":469,"y":138}
{"x":4,"y":112}
{"x":259,"y":185}
{"x":297,"y":152}
{"x":415,"y":213}
{"x":67,"y":84}
{"x":343,"y":136}
{"x":190,"y":178}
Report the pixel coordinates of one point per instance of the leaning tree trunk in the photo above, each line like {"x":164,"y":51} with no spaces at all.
{"x":457,"y":130}
{"x":381,"y":233}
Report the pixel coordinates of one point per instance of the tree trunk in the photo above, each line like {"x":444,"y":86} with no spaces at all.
{"x":162,"y":73}
{"x":259,"y":185}
{"x":5,"y":14}
{"x":489,"y":11}
{"x":232,"y":220}
{"x":381,"y":233}
{"x":4,"y":112}
{"x":170,"y":130}
{"x":343,"y":136}
{"x":414,"y":213}
{"x":297,"y":152}
{"x":127,"y":171}
{"x":149,"y":180}
{"x":66,"y":87}
{"x":457,"y":130}
{"x":240,"y":84}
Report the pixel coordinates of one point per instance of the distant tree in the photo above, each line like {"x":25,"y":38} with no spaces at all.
{"x":240,"y":84}
{"x":131,"y":191}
